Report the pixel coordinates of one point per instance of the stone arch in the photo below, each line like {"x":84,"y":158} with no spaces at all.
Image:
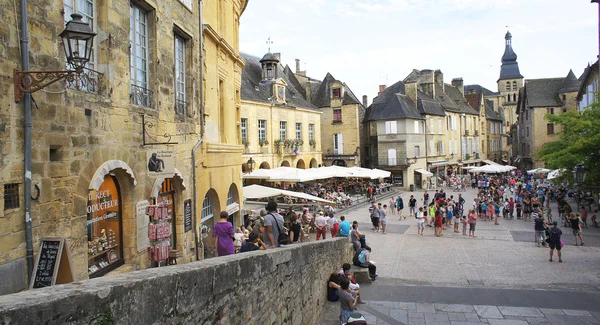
{"x":285,"y":163}
{"x":232,"y":204}
{"x":264,"y":165}
{"x":339,"y":162}
{"x":313,"y":163}
{"x":211,"y":207}
{"x":300,"y":164}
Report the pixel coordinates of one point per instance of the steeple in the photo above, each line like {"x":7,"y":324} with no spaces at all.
{"x":510,"y":67}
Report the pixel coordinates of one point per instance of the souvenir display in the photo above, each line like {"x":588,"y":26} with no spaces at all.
{"x":159,"y":232}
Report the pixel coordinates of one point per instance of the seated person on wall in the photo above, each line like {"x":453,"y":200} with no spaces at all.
{"x":252,"y":244}
{"x":349,"y":275}
{"x":362,"y":259}
{"x":333,"y":284}
{"x":344,"y":227}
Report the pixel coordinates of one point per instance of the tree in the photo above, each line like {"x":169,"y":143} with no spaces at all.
{"x":579,"y":142}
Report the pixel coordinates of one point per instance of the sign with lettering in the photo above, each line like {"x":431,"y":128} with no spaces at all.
{"x":142,"y":225}
{"x":187,"y":215}
{"x":160,"y":163}
{"x":53,"y":264}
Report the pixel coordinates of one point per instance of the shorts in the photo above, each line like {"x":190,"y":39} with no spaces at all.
{"x":383,"y":221}
{"x":555,"y":245}
{"x":471,"y":227}
{"x":420,"y":225}
{"x":576,"y":232}
{"x":465,"y":228}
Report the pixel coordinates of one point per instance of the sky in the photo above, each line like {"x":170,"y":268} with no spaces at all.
{"x":366,"y":43}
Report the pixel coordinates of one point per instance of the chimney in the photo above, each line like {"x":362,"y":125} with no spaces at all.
{"x":410,"y":89}
{"x":458,"y":83}
{"x":308,"y":96}
{"x":439,"y":82}
{"x":297,"y":66}
{"x":381,"y":89}
{"x":365,"y":101}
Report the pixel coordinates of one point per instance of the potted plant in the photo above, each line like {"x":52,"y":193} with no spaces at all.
{"x":263,"y":142}
{"x":246,"y":143}
{"x":312,"y":143}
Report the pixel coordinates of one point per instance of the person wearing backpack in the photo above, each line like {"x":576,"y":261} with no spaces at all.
{"x":555,"y":242}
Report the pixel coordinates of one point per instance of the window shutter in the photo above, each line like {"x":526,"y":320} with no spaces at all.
{"x":340,"y":144}
{"x":394,"y":127}
{"x":387,"y":127}
{"x":431,"y":148}
{"x":335,"y":144}
{"x":391,"y":157}
{"x":442,"y":147}
{"x":440,"y":126}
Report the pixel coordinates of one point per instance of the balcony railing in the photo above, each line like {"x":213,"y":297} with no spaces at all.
{"x":392,"y":162}
{"x":466,"y":133}
{"x":141,"y":96}
{"x":476,"y":133}
{"x":180,"y":107}
{"x":86,"y":81}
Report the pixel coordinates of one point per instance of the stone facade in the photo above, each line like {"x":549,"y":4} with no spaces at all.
{"x":77,"y":131}
{"x":279,"y":286}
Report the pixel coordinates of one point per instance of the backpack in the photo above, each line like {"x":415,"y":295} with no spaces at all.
{"x":555,"y":234}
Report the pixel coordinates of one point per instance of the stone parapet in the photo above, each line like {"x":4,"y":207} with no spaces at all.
{"x":281,"y":286}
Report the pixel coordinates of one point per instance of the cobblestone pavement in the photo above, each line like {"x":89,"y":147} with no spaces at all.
{"x":502,"y":259}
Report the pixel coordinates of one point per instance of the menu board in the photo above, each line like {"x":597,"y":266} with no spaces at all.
{"x":187,"y":215}
{"x":53,"y":264}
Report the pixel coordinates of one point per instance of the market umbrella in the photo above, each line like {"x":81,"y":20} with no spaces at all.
{"x":555,"y":173}
{"x":538,"y":171}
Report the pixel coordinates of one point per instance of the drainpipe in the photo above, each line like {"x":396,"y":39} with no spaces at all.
{"x":27,"y":138}
{"x":201,"y":100}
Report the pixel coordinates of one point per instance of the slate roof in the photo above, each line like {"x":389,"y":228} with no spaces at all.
{"x":429,"y":106}
{"x":543,"y":92}
{"x":510,"y":67}
{"x":584,"y":79}
{"x":570,"y":84}
{"x":254,"y":89}
{"x":322,"y":97}
{"x":392,"y":104}
{"x":490,"y":114}
{"x":294,"y":81}
{"x":477,"y":89}
{"x":460,"y":101}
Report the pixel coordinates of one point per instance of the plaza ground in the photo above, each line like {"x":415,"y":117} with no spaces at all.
{"x":499,"y":277}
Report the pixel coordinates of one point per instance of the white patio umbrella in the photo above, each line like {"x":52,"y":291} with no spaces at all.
{"x":556,"y":173}
{"x":259,"y":192}
{"x":382,"y":173}
{"x":492,"y":169}
{"x":538,"y":171}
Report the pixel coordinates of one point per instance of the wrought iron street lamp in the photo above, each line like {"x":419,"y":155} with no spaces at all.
{"x":579,"y":173}
{"x":251,"y":163}
{"x":78,"y":40}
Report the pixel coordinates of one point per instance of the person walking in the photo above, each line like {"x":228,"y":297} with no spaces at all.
{"x":539,"y":228}
{"x":223,"y":235}
{"x":273,"y":223}
{"x":420,"y":222}
{"x":554,"y":241}
{"x":576,"y":227}
{"x":375,"y":215}
{"x":412,"y":205}
{"x":392,"y":206}
{"x":400,"y":207}
{"x":383,"y":218}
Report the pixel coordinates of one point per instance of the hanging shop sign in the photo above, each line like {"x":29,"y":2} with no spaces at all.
{"x":53,"y":264}
{"x":160,"y":163}
{"x":187,"y":215}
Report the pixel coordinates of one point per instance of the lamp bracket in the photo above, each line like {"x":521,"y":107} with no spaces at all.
{"x":32,"y":81}
{"x":145,"y":133}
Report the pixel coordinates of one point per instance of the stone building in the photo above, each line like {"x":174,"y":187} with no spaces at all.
{"x":342,"y":113}
{"x":538,"y":98}
{"x":163,"y":72}
{"x":278,"y":126}
{"x":589,"y":86}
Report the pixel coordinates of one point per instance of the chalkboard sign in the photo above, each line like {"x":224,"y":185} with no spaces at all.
{"x":187,"y":215}
{"x":53,"y":264}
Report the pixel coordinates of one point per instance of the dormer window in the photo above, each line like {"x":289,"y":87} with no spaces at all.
{"x":281,"y":92}
{"x":336,"y":93}
{"x":270,"y":74}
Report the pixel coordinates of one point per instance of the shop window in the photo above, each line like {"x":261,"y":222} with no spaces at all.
{"x":11,"y":196}
{"x":167,"y":196}
{"x":104,"y":228}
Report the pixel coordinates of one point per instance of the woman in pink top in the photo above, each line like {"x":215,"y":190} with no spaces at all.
{"x":472,"y":222}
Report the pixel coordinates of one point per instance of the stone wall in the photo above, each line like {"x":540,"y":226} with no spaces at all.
{"x":281,"y":286}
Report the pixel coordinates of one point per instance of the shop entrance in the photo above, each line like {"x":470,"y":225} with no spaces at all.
{"x":166,"y":195}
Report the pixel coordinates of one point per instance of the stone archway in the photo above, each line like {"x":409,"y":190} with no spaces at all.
{"x":285,"y":163}
{"x":300,"y":164}
{"x":264,"y":165}
{"x":313,"y":163}
{"x":339,"y":162}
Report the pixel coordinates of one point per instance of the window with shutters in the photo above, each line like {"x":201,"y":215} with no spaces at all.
{"x":262,"y":130}
{"x":338,"y":144}
{"x":391,"y":157}
{"x":431,"y":148}
{"x":139,"y":56}
{"x":311,"y":132}
{"x":180,"y":75}
{"x":431,"y":126}
{"x":440,"y":126}
{"x":391,"y":127}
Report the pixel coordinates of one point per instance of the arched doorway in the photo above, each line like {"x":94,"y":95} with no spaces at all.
{"x":264,"y":165}
{"x":313,"y":163}
{"x":285,"y":163}
{"x":210,"y":211}
{"x":233,"y":205}
{"x":300,"y":164}
{"x":339,"y":162}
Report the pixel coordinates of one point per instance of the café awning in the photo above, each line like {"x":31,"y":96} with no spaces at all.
{"x":261,"y":192}
{"x":424,"y":172}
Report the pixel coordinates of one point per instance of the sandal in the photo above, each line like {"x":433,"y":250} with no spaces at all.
{"x":550,"y":260}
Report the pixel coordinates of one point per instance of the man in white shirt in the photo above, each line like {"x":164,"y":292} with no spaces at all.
{"x":321,"y":224}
